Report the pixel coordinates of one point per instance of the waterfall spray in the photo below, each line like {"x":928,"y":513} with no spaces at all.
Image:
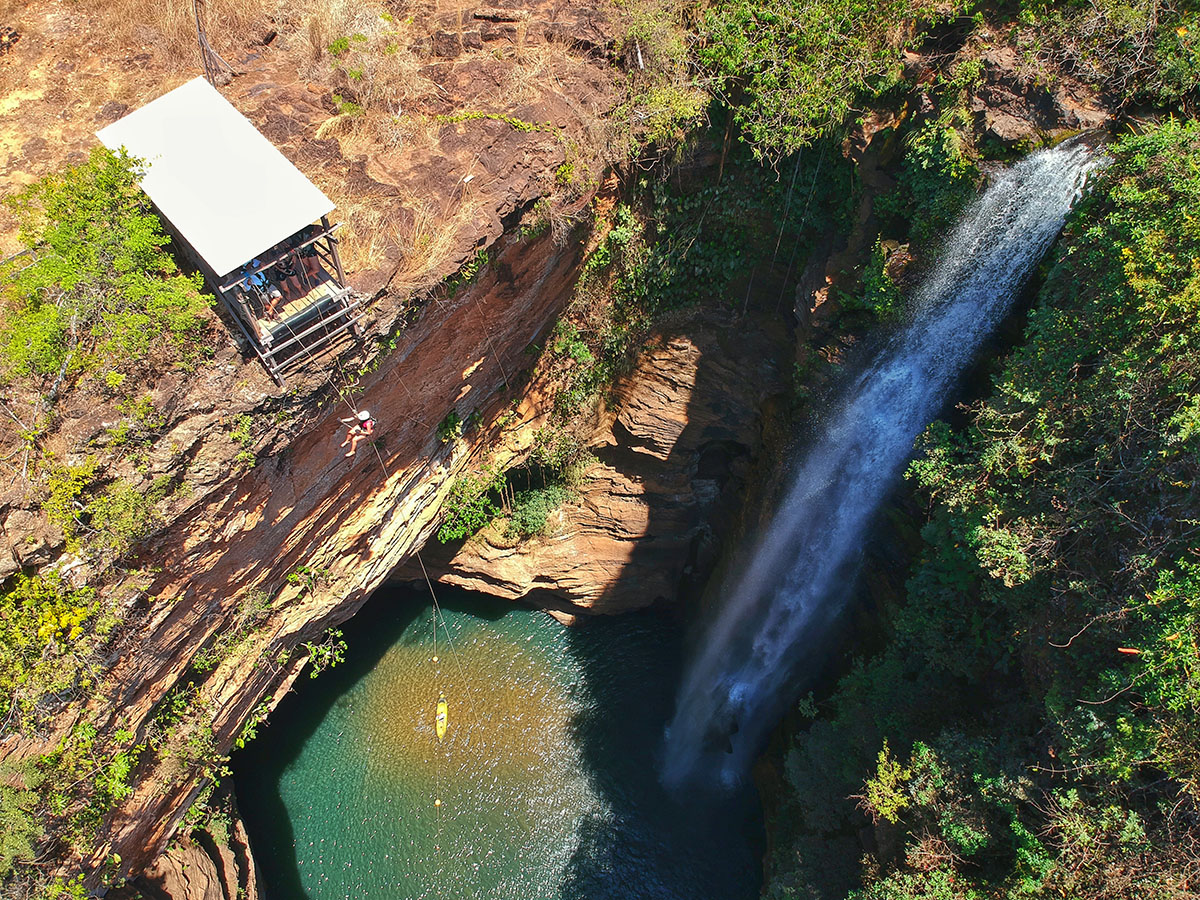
{"x":800,"y":573}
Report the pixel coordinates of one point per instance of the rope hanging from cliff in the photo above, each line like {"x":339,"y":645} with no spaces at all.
{"x":487,"y":332}
{"x":787,"y":208}
{"x":438,"y":614}
{"x":799,"y":231}
{"x":437,"y":750}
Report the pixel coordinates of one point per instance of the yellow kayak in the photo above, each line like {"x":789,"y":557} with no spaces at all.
{"x":439,"y":721}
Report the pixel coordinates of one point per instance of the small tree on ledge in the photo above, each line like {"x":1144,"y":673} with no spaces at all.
{"x":97,"y":290}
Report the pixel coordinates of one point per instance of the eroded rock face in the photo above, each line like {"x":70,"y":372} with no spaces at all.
{"x":184,"y":871}
{"x":199,"y":866}
{"x":671,"y":467}
{"x":1015,"y":109}
{"x":240,"y":531}
{"x":351,"y":520}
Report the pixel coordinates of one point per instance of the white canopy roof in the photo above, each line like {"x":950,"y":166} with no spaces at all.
{"x":223,"y":186}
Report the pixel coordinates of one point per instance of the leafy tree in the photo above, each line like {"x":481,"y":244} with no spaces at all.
{"x":470,"y":505}
{"x":796,"y":69}
{"x":883,"y":795}
{"x":97,"y":288}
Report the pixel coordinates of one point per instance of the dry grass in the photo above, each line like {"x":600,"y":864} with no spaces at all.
{"x":380,"y":134}
{"x":533,"y":70}
{"x":370,"y":52}
{"x":432,"y":239}
{"x":424,"y":242}
{"x":377,"y":56}
{"x":365,"y":232}
{"x":168,"y":27}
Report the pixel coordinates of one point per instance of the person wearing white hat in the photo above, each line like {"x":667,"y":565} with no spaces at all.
{"x":361,"y":427}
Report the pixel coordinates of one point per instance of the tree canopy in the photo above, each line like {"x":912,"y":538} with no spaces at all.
{"x":97,"y":288}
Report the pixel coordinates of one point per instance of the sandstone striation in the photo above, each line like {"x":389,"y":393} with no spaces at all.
{"x":352,"y":521}
{"x":671,"y":466}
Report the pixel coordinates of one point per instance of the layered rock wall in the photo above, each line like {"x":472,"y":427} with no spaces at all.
{"x":670,"y":469}
{"x":352,"y":521}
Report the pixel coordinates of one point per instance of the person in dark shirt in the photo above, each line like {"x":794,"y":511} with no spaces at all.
{"x":289,"y":280}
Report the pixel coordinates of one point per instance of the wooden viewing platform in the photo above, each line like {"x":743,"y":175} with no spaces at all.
{"x":246,"y":218}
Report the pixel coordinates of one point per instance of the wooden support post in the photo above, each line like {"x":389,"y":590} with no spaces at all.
{"x":337,"y":260}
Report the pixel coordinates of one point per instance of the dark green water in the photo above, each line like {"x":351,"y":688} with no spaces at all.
{"x":548,"y":776}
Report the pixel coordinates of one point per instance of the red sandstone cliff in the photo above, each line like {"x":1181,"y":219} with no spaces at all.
{"x":672,"y":461}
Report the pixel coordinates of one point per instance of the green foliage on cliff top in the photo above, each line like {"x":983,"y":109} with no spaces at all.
{"x":1042,"y":677}
{"x":49,"y":632}
{"x":797,"y":69}
{"x":97,"y":289}
{"x":1132,"y":49}
{"x":793,"y":70}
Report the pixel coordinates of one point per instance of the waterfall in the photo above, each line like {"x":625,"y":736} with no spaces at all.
{"x":800,"y":573}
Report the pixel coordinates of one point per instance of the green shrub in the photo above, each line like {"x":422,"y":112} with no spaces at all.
{"x":468,"y":273}
{"x":532,"y":508}
{"x":141,"y":423}
{"x":326,"y":653}
{"x":879,"y":294}
{"x":122,"y":515}
{"x":555,"y":449}
{"x":99,"y":289}
{"x":47,"y":629}
{"x":348,"y":107}
{"x":469,"y":505}
{"x":567,"y":342}
{"x":451,"y":427}
{"x":64,"y":485}
{"x":883,"y":793}
{"x":242,"y":434}
{"x":252,"y":610}
{"x":250,"y":728}
{"x":937,"y":181}
{"x":20,"y":830}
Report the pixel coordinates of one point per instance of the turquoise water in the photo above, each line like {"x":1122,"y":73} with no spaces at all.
{"x":547,"y":776}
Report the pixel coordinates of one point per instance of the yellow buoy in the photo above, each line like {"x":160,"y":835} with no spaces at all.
{"x":437,"y":802}
{"x":440,"y":720}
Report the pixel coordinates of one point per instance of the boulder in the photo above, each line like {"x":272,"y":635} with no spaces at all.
{"x":447,"y":44}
